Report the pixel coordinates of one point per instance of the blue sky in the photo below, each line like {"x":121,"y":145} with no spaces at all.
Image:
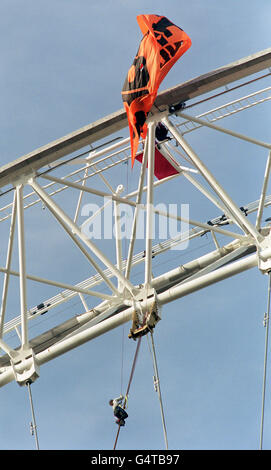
{"x":63,"y":64}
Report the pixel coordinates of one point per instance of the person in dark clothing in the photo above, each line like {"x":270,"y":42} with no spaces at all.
{"x":161,"y":132}
{"x":118,"y":410}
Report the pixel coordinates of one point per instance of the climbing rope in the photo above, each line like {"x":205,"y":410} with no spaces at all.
{"x":266,"y":324}
{"x":33,"y":423}
{"x":122,"y":360}
{"x":129,"y":385}
{"x":125,"y":252}
{"x":158,"y":390}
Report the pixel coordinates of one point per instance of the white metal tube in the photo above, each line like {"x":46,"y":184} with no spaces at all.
{"x":62,"y":285}
{"x":103,"y":178}
{"x":70,"y":343}
{"x":11,"y":352}
{"x":98,"y":211}
{"x":8,"y":263}
{"x":205,"y":192}
{"x":156,"y":183}
{"x":80,"y":197}
{"x":84,"y":302}
{"x":229,"y":109}
{"x":87,"y":189}
{"x":150,"y":213}
{"x":56,"y":214}
{"x":225,"y":131}
{"x":118,"y":236}
{"x":122,"y":317}
{"x":200,"y":224}
{"x":67,"y":221}
{"x":208,"y":279}
{"x":93,"y":154}
{"x":263,"y":194}
{"x":192,"y":180}
{"x":226,"y":199}
{"x":137,"y":208}
{"x":103,"y":194}
{"x":22,"y":266}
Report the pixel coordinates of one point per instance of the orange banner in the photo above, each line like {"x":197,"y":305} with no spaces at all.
{"x":163,"y":43}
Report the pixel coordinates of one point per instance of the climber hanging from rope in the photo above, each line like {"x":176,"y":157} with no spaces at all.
{"x":118,"y":409}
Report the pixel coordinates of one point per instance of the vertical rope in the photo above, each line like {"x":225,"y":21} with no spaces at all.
{"x":129,"y":385}
{"x":266,"y":324}
{"x":125,"y":254}
{"x":157,"y":382}
{"x":34,"y":425}
{"x":133,"y":367}
{"x":122,"y":360}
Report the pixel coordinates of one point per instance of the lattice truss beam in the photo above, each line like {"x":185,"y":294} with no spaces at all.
{"x":90,"y":190}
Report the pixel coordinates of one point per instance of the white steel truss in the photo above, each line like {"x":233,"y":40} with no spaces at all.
{"x":52,"y":187}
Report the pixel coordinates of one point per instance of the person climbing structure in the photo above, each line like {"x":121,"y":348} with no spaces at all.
{"x":118,"y":410}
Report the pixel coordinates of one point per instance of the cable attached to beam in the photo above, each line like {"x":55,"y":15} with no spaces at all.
{"x":129,"y":385}
{"x":229,"y":90}
{"x":33,"y":423}
{"x":158,"y":389}
{"x":266,"y":325}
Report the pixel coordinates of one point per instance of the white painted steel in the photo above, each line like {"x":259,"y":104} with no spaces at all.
{"x":8,"y":264}
{"x":121,"y":318}
{"x":263,"y":194}
{"x":22,"y":266}
{"x":229,"y":109}
{"x":62,"y":285}
{"x":149,"y":205}
{"x":118,"y":237}
{"x":237,"y":135}
{"x":71,"y":227}
{"x":221,"y":193}
{"x":136,"y":212}
{"x":181,"y":281}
